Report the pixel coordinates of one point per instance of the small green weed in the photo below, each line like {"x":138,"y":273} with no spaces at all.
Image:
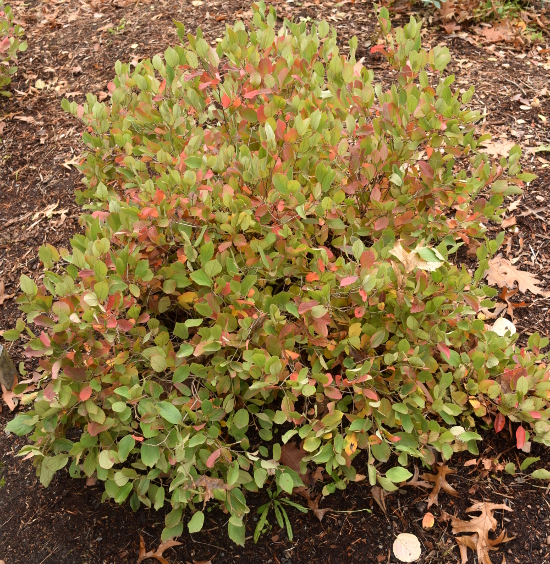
{"x":280,"y":514}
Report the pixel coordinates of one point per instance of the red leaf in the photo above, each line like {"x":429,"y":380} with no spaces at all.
{"x":213,"y":457}
{"x":348,"y":281}
{"x":333,"y":393}
{"x":226,"y":101}
{"x":312,"y":276}
{"x":445,"y":351}
{"x":535,"y":415}
{"x":45,"y":339}
{"x":139,"y":439}
{"x":426,"y":169}
{"x":381,"y":224}
{"x":499,"y":422}
{"x":417,"y":306}
{"x":520,"y":437}
{"x":306,"y":306}
{"x":371,"y":394}
{"x":125,"y":324}
{"x":378,"y":49}
{"x":85,"y":393}
{"x":367,"y":259}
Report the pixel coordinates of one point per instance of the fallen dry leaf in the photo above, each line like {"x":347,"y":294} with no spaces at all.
{"x":501,"y":31}
{"x":313,"y":503}
{"x":509,"y":222}
{"x":412,"y":260}
{"x":428,"y":520}
{"x":503,"y":273}
{"x":406,"y":547}
{"x":157,"y":555}
{"x":497,"y":148}
{"x":3,"y":295}
{"x":480,"y":527}
{"x":379,"y":495}
{"x":440,"y":483}
{"x":291,"y":456}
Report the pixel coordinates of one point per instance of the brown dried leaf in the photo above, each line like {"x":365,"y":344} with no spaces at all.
{"x":379,"y":495}
{"x":291,"y":456}
{"x":501,"y":31}
{"x":313,"y":504}
{"x":479,"y":527}
{"x":210,"y":484}
{"x":157,"y":555}
{"x":414,"y":481}
{"x":503,"y":273}
{"x":509,"y":222}
{"x":440,"y":483}
{"x":497,"y":148}
{"x":412,"y":260}
{"x":3,"y":295}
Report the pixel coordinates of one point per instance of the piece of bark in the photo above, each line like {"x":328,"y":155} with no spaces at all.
{"x":7,"y":369}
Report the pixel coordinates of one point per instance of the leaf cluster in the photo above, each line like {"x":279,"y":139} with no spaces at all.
{"x":10,"y":45}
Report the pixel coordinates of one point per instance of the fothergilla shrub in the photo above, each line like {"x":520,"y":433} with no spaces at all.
{"x":267,"y":260}
{"x":10,"y":45}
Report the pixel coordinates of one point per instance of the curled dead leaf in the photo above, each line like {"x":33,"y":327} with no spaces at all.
{"x":3,"y":295}
{"x":480,"y":527}
{"x":440,"y":483}
{"x":157,"y":554}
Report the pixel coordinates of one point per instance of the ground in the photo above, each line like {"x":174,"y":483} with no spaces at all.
{"x":73,"y":45}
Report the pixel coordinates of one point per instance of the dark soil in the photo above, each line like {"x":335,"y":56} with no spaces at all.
{"x":71,"y":52}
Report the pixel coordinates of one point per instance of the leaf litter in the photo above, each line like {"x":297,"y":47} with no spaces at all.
{"x":502,"y":272}
{"x":480,"y":527}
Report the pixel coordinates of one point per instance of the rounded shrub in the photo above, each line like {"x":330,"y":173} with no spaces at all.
{"x":266,"y":261}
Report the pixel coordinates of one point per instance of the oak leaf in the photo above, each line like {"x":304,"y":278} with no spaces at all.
{"x":157,"y":554}
{"x":412,"y":260}
{"x":480,"y":527}
{"x":503,"y":273}
{"x":440,"y":483}
{"x":497,"y":148}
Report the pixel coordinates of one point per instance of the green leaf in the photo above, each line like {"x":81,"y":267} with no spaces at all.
{"x":528,"y":461}
{"x":50,"y":466}
{"x":285,"y":482}
{"x":398,"y":474}
{"x":158,"y":363}
{"x":311,"y":444}
{"x":236,"y":530}
{"x":280,"y":182}
{"x":201,"y":278}
{"x":241,"y":418}
{"x":27,"y":285}
{"x":541,"y":474}
{"x":125,"y":445}
{"x":21,"y":425}
{"x":150,"y":453}
{"x":169,"y":412}
{"x":196,"y":522}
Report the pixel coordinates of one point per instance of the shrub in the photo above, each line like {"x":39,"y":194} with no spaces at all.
{"x":10,"y":44}
{"x":266,"y":260}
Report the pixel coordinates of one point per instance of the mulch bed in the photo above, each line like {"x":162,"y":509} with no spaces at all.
{"x":72,"y":52}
